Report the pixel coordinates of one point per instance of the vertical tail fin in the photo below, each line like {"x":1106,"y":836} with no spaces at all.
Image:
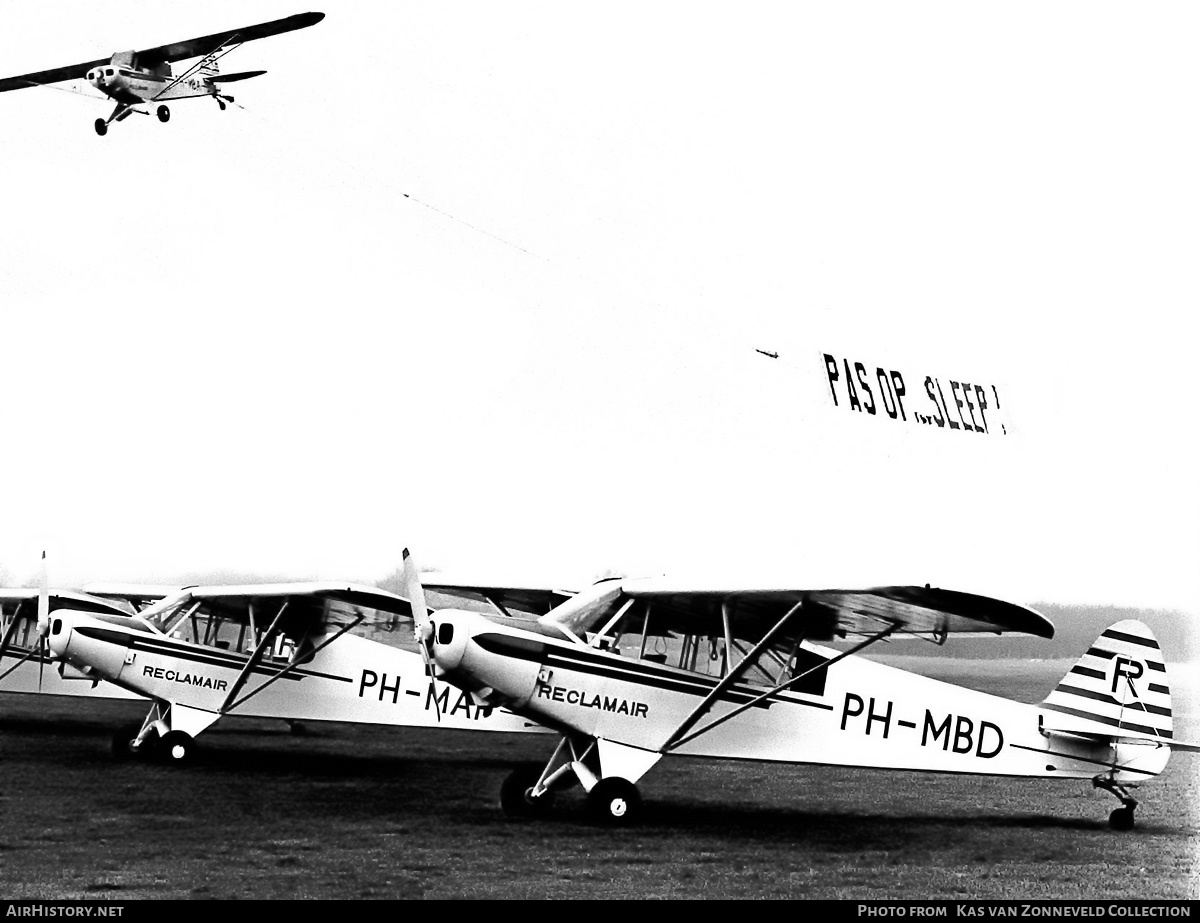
{"x":1117,"y":689}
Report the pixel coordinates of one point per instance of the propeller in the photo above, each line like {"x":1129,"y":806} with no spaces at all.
{"x":422,"y":623}
{"x":43,"y":621}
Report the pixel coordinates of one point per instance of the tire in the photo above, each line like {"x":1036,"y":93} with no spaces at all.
{"x":121,"y":741}
{"x":1121,"y":819}
{"x":164,"y":114}
{"x":515,"y":800}
{"x":101,"y":127}
{"x":614,"y":802}
{"x":176,"y":748}
{"x":122,"y":744}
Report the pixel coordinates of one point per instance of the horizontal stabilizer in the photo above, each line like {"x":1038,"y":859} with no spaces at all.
{"x":229,"y":78}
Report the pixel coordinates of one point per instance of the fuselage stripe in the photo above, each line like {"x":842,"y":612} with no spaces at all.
{"x":594,"y":663}
{"x":164,"y":648}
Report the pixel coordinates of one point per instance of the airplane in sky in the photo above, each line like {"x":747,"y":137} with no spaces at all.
{"x":292,"y":651}
{"x":631,"y":671}
{"x":135,"y":78}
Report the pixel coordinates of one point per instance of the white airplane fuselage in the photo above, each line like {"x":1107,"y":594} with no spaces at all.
{"x":40,"y":676}
{"x":855,"y":712}
{"x":132,"y":85}
{"x":352,"y":679}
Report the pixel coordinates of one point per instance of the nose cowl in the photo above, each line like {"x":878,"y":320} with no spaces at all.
{"x":499,"y":662}
{"x":451,"y":632}
{"x":59,"y":638}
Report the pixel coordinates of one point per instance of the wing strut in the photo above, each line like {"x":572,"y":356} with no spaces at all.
{"x":213,"y":56}
{"x":677,"y":740}
{"x":229,"y":706}
{"x":256,"y":657}
{"x":729,"y":678}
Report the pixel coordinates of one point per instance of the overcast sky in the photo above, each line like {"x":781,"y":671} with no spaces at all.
{"x":487,"y":280}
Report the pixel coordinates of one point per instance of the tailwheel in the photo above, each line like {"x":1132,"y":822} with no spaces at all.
{"x":123,"y":743}
{"x":516,"y":799}
{"x":177,"y":748}
{"x":164,"y":114}
{"x":101,"y":127}
{"x":1121,"y":818}
{"x":614,"y":801}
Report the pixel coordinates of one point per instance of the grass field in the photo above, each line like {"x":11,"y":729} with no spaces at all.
{"x":375,"y":813}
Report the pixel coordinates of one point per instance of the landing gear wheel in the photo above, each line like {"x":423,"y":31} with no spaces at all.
{"x":515,"y":799}
{"x":101,"y":127}
{"x":176,"y":748}
{"x":1121,"y":818}
{"x":221,"y":103}
{"x":164,"y":114}
{"x":614,"y":801}
{"x":122,"y":743}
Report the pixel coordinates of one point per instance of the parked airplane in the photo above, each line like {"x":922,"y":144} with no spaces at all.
{"x":264,"y":651}
{"x":134,"y":78}
{"x":630,"y":671}
{"x":25,"y":663}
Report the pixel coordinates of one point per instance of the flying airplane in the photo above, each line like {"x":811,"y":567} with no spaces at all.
{"x":281,"y":651}
{"x":630,"y":671}
{"x":135,"y":78}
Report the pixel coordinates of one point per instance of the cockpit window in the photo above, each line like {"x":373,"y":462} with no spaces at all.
{"x":108,"y":72}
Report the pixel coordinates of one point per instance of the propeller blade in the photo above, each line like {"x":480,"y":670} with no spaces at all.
{"x":43,"y":620}
{"x":43,"y":610}
{"x":416,"y":597}
{"x":422,"y":623}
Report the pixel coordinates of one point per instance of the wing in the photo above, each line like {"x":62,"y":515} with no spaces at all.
{"x":295,"y":609}
{"x":138,"y":595}
{"x":54,"y":75}
{"x":175,"y":51}
{"x":65,"y":599}
{"x":206,"y":44}
{"x":822,"y":614}
{"x":513,"y":600}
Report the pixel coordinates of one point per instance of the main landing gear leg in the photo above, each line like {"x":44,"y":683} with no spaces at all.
{"x":120,"y":112}
{"x":130,"y":743}
{"x":1121,"y":818}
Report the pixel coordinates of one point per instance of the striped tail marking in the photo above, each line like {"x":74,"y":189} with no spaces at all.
{"x":1118,"y":688}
